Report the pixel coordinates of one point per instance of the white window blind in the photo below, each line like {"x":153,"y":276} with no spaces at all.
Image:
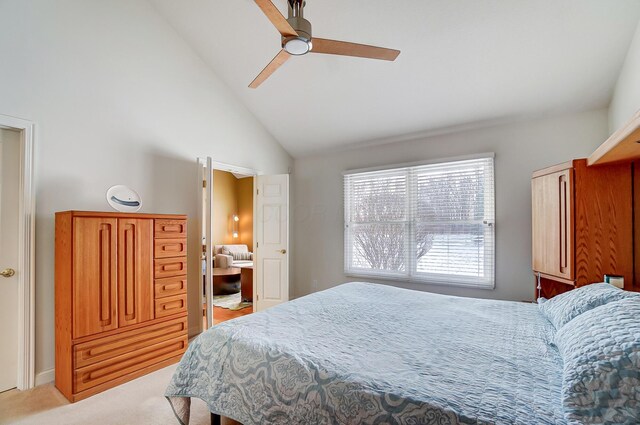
{"x":431,"y":223}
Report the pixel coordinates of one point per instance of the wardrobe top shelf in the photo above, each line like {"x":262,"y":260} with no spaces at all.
{"x":623,"y":145}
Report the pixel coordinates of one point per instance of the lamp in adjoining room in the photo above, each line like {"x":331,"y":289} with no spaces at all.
{"x":236,"y":219}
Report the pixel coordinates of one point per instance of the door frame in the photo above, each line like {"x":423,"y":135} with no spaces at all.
{"x":26,"y":252}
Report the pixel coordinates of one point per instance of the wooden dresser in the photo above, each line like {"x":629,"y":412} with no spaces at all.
{"x":583,"y":224}
{"x":120,"y":298}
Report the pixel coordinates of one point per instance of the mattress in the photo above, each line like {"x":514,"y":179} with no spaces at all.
{"x":363,"y":353}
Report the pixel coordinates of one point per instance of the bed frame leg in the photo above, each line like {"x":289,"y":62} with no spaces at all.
{"x":215,"y":419}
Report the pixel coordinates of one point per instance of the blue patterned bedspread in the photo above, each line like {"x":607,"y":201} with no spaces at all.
{"x":363,"y":353}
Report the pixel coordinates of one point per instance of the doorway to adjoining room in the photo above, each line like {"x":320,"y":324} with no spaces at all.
{"x":232,"y":250}
{"x":244,"y":222}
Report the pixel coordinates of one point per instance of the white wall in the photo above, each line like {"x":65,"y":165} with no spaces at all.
{"x":117,"y":98}
{"x":520,"y":149}
{"x":626,"y":97}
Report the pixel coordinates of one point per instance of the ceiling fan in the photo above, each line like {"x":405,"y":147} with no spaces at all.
{"x":297,"y":40}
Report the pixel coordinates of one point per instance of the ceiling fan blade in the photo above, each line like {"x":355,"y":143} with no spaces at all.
{"x":273,"y":66}
{"x":276,"y":18}
{"x":333,"y":47}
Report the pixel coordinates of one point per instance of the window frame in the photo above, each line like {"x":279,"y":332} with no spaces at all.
{"x":411,"y":273}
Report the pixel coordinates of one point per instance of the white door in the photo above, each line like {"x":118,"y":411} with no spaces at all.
{"x":9,"y":204}
{"x":205,"y":183}
{"x":272,"y":223}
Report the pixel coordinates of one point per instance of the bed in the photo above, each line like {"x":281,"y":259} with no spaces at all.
{"x":369,"y":354}
{"x":375,"y":354}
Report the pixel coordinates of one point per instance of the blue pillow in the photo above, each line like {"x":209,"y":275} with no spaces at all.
{"x":601,"y":354}
{"x":564,"y":307}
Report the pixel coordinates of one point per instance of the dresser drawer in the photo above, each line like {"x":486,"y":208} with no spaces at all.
{"x":170,"y":286}
{"x":112,"y":368}
{"x":102,"y":349}
{"x":165,"y":248}
{"x":170,"y":229}
{"x":170,"y":267}
{"x":171,"y":305}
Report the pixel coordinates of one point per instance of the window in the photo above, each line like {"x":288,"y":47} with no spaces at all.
{"x":430,"y":223}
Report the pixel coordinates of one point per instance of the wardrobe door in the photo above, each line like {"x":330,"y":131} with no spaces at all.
{"x":94,"y":275}
{"x":552,"y":224}
{"x":604,"y":217}
{"x":135,"y":271}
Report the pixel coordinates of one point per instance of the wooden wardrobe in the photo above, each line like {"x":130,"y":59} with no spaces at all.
{"x":583,"y":225}
{"x":120,"y":298}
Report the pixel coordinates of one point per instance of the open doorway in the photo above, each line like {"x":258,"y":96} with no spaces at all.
{"x":257,"y":242}
{"x":232,"y":229}
{"x":228,"y":242}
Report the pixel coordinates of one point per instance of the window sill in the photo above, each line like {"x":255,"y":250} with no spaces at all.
{"x":433,"y":282}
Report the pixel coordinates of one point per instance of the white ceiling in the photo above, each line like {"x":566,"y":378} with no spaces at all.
{"x":463,"y":62}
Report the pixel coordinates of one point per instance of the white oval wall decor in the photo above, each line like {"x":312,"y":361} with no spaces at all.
{"x":123,"y":199}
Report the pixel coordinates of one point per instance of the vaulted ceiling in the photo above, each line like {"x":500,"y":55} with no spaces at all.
{"x":463,"y":63}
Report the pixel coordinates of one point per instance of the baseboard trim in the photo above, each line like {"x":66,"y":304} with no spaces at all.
{"x":45,"y":377}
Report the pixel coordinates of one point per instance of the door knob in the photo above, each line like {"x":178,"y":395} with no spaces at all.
{"x":283,"y":251}
{"x":7,"y":272}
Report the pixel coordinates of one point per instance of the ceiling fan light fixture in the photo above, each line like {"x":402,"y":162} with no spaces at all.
{"x":297,"y":46}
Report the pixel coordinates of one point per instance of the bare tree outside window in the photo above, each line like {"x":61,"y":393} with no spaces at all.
{"x":381,"y":238}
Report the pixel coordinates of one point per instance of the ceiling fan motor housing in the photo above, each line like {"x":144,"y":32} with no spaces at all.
{"x":301,"y":44}
{"x":301,"y":25}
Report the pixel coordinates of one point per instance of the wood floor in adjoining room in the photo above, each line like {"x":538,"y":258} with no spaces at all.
{"x":139,"y":402}
{"x":223,"y":314}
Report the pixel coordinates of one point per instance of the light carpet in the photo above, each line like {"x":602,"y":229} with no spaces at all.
{"x":138,"y":402}
{"x":232,"y":302}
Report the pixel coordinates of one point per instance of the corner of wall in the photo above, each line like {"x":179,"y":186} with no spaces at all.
{"x":626,"y":95}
